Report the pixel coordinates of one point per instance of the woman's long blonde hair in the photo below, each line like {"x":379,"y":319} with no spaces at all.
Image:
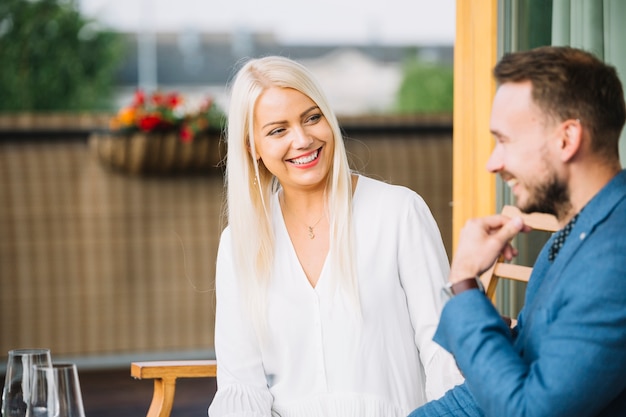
{"x":250,"y":185}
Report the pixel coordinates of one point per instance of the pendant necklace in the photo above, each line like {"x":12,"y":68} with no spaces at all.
{"x":311,"y":232}
{"x":311,"y":229}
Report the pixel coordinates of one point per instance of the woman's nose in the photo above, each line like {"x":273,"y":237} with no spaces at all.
{"x":302,"y":139}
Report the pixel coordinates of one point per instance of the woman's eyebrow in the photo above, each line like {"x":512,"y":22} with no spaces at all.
{"x":278,"y":122}
{"x":309,"y":109}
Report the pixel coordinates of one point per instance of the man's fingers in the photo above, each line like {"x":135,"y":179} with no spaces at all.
{"x":509,"y":252}
{"x":507,"y":232}
{"x":482,"y":241}
{"x":494,"y":222}
{"x":511,"y":228}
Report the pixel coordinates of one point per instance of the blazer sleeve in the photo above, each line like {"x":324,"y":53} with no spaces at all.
{"x":574,"y":359}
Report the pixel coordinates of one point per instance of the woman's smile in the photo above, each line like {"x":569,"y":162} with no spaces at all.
{"x":307,"y":160}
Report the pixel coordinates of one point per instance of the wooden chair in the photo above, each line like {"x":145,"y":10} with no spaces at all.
{"x":165,"y":373}
{"x":502,"y":269}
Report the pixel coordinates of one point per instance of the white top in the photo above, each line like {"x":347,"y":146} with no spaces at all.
{"x":318,"y":359}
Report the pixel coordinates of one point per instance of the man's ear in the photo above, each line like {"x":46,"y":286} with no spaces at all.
{"x":572,"y":139}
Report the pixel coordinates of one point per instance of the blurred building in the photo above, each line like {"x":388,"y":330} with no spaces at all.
{"x":357,"y":78}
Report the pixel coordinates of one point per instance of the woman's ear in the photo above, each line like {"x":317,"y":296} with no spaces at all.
{"x":256,"y":157}
{"x":252,"y":154}
{"x":572,"y":138}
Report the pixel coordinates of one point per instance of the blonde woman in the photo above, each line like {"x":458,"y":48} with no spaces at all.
{"x":328,"y":283}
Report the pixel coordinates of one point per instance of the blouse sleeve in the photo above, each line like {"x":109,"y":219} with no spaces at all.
{"x":242,"y":387}
{"x":424,"y":269}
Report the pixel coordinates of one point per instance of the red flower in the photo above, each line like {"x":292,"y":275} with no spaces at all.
{"x":173,"y":100}
{"x":149,"y":122}
{"x":186,"y":134}
{"x":139,"y":99}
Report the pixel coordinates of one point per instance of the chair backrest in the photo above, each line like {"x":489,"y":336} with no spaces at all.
{"x":502,"y":269}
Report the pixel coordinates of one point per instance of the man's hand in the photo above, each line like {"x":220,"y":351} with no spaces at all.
{"x":481,"y":241}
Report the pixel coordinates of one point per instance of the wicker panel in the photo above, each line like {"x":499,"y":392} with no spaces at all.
{"x":95,"y":262}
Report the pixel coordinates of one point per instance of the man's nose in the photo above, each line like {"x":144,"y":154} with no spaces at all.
{"x":494,"y":163}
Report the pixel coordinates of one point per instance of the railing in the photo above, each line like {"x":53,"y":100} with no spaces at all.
{"x":94,"y":262}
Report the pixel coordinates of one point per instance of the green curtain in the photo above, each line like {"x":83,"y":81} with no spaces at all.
{"x":596,"y":26}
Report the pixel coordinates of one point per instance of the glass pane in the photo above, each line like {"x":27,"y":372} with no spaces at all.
{"x":523,"y":25}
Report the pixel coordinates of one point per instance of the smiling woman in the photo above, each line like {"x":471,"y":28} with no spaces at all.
{"x":328,"y":283}
{"x":294,"y":141}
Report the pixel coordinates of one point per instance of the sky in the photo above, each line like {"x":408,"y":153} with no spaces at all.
{"x":398,"y":22}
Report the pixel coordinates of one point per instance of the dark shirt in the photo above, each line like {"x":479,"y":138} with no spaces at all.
{"x":559,"y":238}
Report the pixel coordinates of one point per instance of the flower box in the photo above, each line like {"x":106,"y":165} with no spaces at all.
{"x":158,"y":135}
{"x":159,"y":152}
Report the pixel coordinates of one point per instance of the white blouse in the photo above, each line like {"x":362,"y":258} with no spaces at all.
{"x":317,"y":358}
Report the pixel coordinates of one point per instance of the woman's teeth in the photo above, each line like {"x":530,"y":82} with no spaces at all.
{"x":305,"y":159}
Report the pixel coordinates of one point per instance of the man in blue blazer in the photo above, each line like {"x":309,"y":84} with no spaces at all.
{"x":556,"y":119}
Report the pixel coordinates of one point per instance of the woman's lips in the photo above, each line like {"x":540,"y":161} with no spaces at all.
{"x":306,"y":159}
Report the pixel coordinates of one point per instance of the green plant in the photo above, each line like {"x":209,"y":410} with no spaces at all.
{"x":54,"y":59}
{"x":425,"y":88}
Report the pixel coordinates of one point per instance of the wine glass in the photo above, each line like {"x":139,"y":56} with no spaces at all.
{"x":55,"y":391}
{"x":18,"y":377}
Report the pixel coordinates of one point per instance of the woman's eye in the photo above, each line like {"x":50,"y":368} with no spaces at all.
{"x":314,"y":118}
{"x":276,"y":131}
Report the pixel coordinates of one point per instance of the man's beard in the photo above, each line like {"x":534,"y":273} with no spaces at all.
{"x":552,"y":197}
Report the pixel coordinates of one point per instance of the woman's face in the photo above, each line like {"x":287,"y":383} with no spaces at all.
{"x":293,"y":138}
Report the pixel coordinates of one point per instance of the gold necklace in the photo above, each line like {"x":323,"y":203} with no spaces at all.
{"x":311,"y":232}
{"x":309,"y":228}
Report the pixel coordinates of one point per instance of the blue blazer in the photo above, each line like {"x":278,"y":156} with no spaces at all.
{"x":567,"y":355}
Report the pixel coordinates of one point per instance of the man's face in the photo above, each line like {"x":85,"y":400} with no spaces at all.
{"x":525,"y":154}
